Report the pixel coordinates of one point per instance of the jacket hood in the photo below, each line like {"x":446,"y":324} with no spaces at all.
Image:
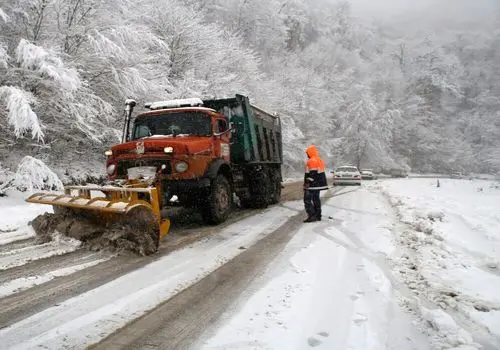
{"x":312,"y":151}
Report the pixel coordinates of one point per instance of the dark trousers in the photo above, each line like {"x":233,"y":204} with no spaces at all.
{"x":312,"y":202}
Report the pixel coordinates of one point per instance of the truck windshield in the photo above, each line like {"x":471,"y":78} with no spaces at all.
{"x":173,"y":124}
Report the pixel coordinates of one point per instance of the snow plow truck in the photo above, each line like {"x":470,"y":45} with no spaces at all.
{"x":190,"y":152}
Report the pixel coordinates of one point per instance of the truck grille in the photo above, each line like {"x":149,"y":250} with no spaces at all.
{"x":123,"y":165}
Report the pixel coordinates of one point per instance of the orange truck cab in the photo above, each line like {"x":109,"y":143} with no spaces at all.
{"x":202,"y":153}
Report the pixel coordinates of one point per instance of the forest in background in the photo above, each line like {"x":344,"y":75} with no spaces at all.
{"x":419,"y":88}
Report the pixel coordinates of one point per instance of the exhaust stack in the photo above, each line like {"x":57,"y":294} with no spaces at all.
{"x":129,"y":107}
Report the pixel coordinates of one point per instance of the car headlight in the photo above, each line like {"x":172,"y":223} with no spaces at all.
{"x":108,"y":153}
{"x":111,"y":169}
{"x":168,"y":150}
{"x":181,"y":167}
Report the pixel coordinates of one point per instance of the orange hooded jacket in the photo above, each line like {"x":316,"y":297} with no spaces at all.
{"x":315,"y":177}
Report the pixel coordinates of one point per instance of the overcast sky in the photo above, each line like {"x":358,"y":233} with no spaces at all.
{"x":460,"y":9}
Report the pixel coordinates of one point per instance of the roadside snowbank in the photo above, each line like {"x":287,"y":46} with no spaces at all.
{"x":451,"y":254}
{"x":15,"y":214}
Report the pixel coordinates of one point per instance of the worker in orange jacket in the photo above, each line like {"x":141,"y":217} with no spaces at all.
{"x":314,"y":182}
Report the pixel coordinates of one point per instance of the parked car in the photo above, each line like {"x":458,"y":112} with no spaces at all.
{"x":367,"y":174}
{"x":398,"y":173}
{"x":346,"y":175}
{"x":457,"y":175}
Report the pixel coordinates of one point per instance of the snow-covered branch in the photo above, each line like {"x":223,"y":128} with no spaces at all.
{"x":20,"y":115}
{"x":32,"y":57}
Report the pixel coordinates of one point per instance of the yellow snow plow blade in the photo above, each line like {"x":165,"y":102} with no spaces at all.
{"x":118,"y":203}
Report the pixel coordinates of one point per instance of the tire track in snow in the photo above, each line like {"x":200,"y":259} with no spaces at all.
{"x":16,"y":235}
{"x":177,"y":322}
{"x":24,"y":255}
{"x":24,"y":259}
{"x":24,"y":283}
{"x":21,"y":278}
{"x":42,"y":266}
{"x":16,"y":245}
{"x":14,"y":308}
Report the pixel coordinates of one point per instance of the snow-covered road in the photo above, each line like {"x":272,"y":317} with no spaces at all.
{"x":401,"y":264}
{"x":395,"y":264}
{"x":331,"y":288}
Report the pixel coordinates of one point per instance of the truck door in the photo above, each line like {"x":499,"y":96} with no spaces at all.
{"x":223,"y":137}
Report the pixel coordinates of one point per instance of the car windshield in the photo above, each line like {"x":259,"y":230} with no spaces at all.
{"x":173,"y":124}
{"x":349,"y":169}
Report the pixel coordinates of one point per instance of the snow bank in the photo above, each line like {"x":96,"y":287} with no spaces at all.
{"x":15,"y":214}
{"x":450,"y":254}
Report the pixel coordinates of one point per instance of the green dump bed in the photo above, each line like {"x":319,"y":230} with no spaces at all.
{"x":256,"y":136}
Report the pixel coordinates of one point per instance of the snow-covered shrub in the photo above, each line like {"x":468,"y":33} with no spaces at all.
{"x":33,"y":174}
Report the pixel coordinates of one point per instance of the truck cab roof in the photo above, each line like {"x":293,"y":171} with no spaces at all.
{"x":178,"y":109}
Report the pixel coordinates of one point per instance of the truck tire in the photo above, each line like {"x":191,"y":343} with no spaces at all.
{"x":258,"y":184}
{"x":275,"y":195}
{"x":218,"y":203}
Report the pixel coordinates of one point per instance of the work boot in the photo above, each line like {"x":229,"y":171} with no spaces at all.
{"x":310,"y":219}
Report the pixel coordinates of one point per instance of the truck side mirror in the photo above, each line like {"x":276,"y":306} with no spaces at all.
{"x":217,"y":134}
{"x":228,"y":129}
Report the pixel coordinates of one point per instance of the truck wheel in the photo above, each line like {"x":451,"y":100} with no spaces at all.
{"x":275,"y":194}
{"x":219,"y":201}
{"x":259,"y":190}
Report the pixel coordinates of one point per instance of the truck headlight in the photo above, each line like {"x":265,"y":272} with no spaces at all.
{"x":181,"y":167}
{"x":108,"y":153}
{"x":168,"y":150}
{"x":111,"y":169}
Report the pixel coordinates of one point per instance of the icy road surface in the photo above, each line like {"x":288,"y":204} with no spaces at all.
{"x":395,"y":264}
